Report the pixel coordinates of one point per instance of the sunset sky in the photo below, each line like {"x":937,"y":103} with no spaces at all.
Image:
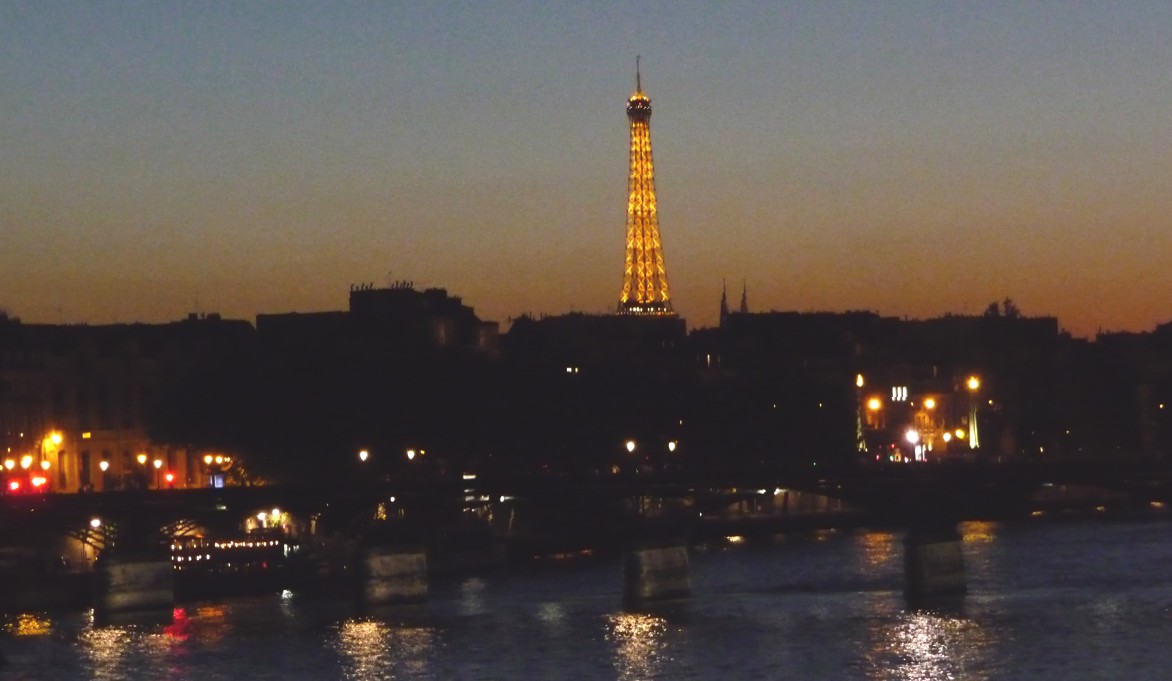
{"x":908,"y":158}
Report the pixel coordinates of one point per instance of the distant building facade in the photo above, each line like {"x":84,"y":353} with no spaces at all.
{"x":77,"y":401}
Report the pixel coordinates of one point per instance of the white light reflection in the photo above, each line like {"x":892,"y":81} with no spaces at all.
{"x":287,"y":608}
{"x":105,"y":647}
{"x":552,"y":614}
{"x":377,"y":650}
{"x":118,"y":652}
{"x":639,"y":644}
{"x":927,"y":646}
{"x":472,"y":596}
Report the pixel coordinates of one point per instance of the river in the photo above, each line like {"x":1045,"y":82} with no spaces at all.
{"x":1062,"y":599}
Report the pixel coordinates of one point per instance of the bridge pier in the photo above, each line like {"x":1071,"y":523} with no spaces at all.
{"x":933,"y":564}
{"x":389,"y":575}
{"x":135,"y":584}
{"x":656,"y":571}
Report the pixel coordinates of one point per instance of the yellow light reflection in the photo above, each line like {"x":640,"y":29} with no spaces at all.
{"x":376,"y":650}
{"x":639,"y":644}
{"x":880,"y":550}
{"x":28,"y":624}
{"x":982,"y":532}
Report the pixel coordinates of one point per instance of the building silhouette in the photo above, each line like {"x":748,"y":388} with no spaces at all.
{"x":94,"y":407}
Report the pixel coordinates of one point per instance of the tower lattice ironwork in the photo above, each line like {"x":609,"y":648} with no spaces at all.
{"x":645,"y":290}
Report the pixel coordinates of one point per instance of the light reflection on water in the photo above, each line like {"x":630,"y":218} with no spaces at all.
{"x":374,"y":649}
{"x":927,"y":646}
{"x":120,"y":652}
{"x":879,"y":550}
{"x":28,"y":624}
{"x":639,"y":644}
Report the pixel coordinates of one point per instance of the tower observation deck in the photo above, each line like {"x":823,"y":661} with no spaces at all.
{"x":645,"y":289}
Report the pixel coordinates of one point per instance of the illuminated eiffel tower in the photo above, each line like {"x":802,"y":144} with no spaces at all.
{"x":645,"y":289}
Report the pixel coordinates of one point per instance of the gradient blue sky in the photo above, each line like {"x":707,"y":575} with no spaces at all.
{"x":909,"y":158}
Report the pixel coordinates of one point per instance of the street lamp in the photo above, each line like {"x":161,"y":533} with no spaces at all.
{"x":143,"y":480}
{"x":631,"y":446}
{"x":363,"y":455}
{"x":973,"y":384}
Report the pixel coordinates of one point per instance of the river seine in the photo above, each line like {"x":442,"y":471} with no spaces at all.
{"x":1068,"y":599}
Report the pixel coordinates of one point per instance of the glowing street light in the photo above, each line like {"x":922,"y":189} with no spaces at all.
{"x":930,"y":403}
{"x":631,"y":446}
{"x":142,"y":458}
{"x":104,"y":465}
{"x":410,"y":454}
{"x":874,"y":404}
{"x":973,"y":384}
{"x":671,"y":445}
{"x":363,"y":455}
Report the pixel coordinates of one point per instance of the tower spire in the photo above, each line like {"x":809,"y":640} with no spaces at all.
{"x":645,"y":290}
{"x":723,"y":301}
{"x":744,"y":298}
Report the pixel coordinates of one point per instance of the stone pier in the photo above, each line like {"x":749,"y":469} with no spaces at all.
{"x":656,"y":572}
{"x":388,"y":575}
{"x":934,"y":564}
{"x":138,"y":584}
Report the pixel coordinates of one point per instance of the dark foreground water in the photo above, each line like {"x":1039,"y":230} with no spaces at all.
{"x":1085,"y":599}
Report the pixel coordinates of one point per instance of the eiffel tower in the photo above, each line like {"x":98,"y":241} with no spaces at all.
{"x":645,"y":289}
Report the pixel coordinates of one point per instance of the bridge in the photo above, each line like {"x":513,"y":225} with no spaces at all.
{"x":892,"y":494}
{"x":543,"y":514}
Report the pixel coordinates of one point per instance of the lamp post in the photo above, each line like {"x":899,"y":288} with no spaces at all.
{"x":973,"y":385}
{"x":860,"y":437}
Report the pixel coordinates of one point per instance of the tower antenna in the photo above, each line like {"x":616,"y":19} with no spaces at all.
{"x":638,"y":80}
